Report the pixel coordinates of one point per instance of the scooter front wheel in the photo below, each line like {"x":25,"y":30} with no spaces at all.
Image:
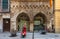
{"x":23,"y":36}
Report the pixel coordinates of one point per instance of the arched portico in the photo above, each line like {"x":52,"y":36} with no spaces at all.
{"x":39,"y":19}
{"x":44,"y":18}
{"x":21,"y":19}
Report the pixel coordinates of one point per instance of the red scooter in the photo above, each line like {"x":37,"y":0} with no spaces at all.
{"x":23,"y":34}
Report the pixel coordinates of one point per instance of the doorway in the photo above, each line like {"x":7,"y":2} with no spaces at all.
{"x":6,"y":24}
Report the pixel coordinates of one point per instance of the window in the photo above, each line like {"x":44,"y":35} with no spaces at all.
{"x":4,"y":5}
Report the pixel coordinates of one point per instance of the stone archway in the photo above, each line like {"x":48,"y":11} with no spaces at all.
{"x":39,"y":19}
{"x":14,"y":20}
{"x":21,"y":19}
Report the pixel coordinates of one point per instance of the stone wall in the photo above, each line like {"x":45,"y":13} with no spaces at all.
{"x":31,"y":9}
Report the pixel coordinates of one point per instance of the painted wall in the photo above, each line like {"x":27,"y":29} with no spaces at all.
{"x":57,"y":16}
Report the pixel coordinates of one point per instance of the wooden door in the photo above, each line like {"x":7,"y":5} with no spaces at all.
{"x":6,"y":24}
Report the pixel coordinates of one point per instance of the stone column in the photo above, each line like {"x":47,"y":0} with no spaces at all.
{"x":31,"y":26}
{"x":13,"y":24}
{"x":31,"y":22}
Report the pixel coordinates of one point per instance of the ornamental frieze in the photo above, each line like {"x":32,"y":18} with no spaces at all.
{"x":30,"y":5}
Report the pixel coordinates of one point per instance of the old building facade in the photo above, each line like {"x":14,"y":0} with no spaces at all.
{"x":32,"y":12}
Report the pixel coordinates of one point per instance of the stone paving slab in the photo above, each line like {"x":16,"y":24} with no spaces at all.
{"x":29,"y":36}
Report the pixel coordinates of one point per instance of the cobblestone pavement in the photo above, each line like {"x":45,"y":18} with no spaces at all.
{"x":6,"y":35}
